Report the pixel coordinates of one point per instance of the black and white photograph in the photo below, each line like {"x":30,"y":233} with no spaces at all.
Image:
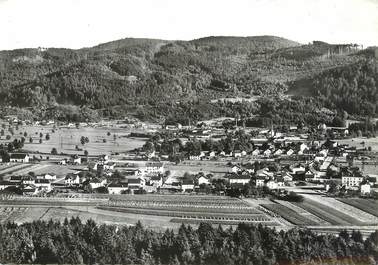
{"x":189,"y":132}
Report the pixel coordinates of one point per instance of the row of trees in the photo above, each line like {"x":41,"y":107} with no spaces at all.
{"x":75,"y":242}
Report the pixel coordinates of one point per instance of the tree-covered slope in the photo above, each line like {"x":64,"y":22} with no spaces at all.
{"x":130,"y":73}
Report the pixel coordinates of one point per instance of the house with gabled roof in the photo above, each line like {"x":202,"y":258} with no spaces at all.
{"x":19,"y":158}
{"x":117,"y":188}
{"x":238,"y":179}
{"x":43,"y":184}
{"x":72,"y":180}
{"x":156,"y":181}
{"x":187,"y":185}
{"x":136,"y":183}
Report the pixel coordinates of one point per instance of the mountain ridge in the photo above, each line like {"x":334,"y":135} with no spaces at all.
{"x":134,"y":72}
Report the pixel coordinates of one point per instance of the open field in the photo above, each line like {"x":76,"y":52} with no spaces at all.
{"x":352,"y":211}
{"x":340,"y":207}
{"x":366,"y":205}
{"x":328,"y":214}
{"x":20,"y":215}
{"x":7,"y":170}
{"x":217,"y":168}
{"x":168,"y":211}
{"x":65,"y":139}
{"x":288,"y":214}
{"x":215,"y":209}
{"x":357,"y":142}
{"x":11,"y":213}
{"x":302,"y":212}
{"x":13,"y":168}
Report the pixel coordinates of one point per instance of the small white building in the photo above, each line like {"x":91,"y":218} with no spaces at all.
{"x":303,"y":147}
{"x":272,"y":185}
{"x":72,"y":180}
{"x":267,"y":153}
{"x":212,"y":154}
{"x":156,"y":181}
{"x":256,"y":152}
{"x":43,"y":184}
{"x":202,"y":180}
{"x":136,"y":183}
{"x":19,"y":158}
{"x":239,"y":179}
{"x":365,"y":189}
{"x":96,"y":183}
{"x":235,"y":169}
{"x":260,"y":181}
{"x":49,"y":176}
{"x":290,"y":152}
{"x":187,"y":185}
{"x":117,"y":188}
{"x":76,"y":160}
{"x":278,"y":152}
{"x":299,"y":169}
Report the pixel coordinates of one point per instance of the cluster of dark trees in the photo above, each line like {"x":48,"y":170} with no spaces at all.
{"x":74,"y":242}
{"x":352,"y":88}
{"x":170,"y":145}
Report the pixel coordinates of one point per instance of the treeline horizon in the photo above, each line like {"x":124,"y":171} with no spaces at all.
{"x":76,"y":242}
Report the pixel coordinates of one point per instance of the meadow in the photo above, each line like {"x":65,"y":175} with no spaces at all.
{"x":102,"y":140}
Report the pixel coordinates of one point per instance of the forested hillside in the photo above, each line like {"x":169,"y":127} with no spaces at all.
{"x":156,"y":79}
{"x":74,"y":242}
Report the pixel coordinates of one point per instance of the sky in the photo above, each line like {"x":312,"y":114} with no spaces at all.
{"x":85,"y":23}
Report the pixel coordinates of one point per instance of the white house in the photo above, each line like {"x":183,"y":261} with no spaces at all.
{"x":278,"y":152}
{"x":19,"y":158}
{"x":287,"y":177}
{"x":136,"y":183}
{"x":267,"y":152}
{"x":104,"y":166}
{"x":76,"y":160}
{"x":298,"y":169}
{"x":71,"y":180}
{"x":153,"y":168}
{"x":303,"y":147}
{"x":203,"y":180}
{"x":117,"y":188}
{"x":365,"y":189}
{"x":187,"y":185}
{"x":156,"y":181}
{"x":256,"y":152}
{"x":211,"y":154}
{"x":272,"y":185}
{"x":49,"y":176}
{"x":351,"y":181}
{"x":238,"y":153}
{"x":239,"y":179}
{"x":290,"y":152}
{"x":260,"y":181}
{"x":235,"y":169}
{"x":43,"y":184}
{"x":97,"y":183}
{"x":27,"y":180}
